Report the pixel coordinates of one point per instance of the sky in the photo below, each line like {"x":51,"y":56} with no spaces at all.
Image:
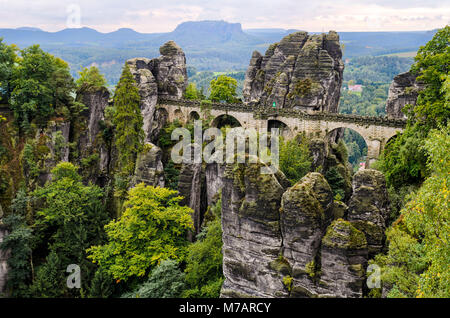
{"x":150,"y":16}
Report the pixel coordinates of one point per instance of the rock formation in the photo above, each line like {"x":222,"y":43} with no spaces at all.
{"x":94,"y":154}
{"x":297,"y":241}
{"x":192,"y":187}
{"x":301,"y":71}
{"x":368,"y":208}
{"x":306,"y":210}
{"x":165,"y":76}
{"x":343,"y":261}
{"x":251,"y":233}
{"x":149,"y":168}
{"x":403,"y":90}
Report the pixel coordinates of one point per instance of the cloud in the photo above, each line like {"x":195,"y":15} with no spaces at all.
{"x":163,"y":16}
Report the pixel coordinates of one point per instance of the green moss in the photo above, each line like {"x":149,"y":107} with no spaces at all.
{"x":281,"y":265}
{"x":342,"y":234}
{"x":287,"y":281}
{"x":371,"y":230}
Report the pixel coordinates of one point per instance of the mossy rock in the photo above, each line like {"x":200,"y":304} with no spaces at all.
{"x":281,"y":265}
{"x":373,"y":232}
{"x":342,"y":234}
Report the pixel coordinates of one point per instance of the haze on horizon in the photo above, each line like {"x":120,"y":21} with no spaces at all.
{"x":158,"y":16}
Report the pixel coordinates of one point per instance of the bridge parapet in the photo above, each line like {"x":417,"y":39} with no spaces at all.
{"x":267,"y":112}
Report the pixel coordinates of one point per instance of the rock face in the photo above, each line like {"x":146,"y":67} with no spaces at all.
{"x":403,"y":90}
{"x":192,"y":187}
{"x":96,"y":101}
{"x":281,"y":241}
{"x":368,"y":208}
{"x":91,"y":146}
{"x":251,"y":233}
{"x":214,"y":181}
{"x":149,"y":168}
{"x":165,"y":76}
{"x":306,"y":210}
{"x":343,"y":261}
{"x":301,"y":71}
{"x":4,"y":255}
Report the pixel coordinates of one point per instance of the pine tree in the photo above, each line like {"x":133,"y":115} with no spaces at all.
{"x":128,"y":121}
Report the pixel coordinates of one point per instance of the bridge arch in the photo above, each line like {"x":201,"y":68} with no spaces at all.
{"x":285,"y":131}
{"x":194,"y":115}
{"x":225,"y":120}
{"x":357,"y":145}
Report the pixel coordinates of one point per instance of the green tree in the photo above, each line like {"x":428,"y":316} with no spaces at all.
{"x":71,"y":219}
{"x":404,"y":160}
{"x":416,"y":264}
{"x":128,"y":122}
{"x":295,"y":159}
{"x":42,"y":85}
{"x":204,"y":273}
{"x":7,"y":59}
{"x":432,"y":67}
{"x":90,"y":78}
{"x":191,"y":92}
{"x":165,"y":281}
{"x":152,"y":228}
{"x":223,"y":89}
{"x":18,"y":242}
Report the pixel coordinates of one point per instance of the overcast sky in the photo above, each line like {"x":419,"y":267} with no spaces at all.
{"x":164,"y":15}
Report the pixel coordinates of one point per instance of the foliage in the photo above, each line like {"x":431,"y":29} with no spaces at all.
{"x":191,"y":92}
{"x":432,"y":67}
{"x":204,"y":262}
{"x":336,"y":182}
{"x":404,"y":160}
{"x":42,"y":85}
{"x":90,"y":78}
{"x":128,"y":121}
{"x":7,"y":59}
{"x":71,"y":219}
{"x":295,"y":159}
{"x":165,"y":281}
{"x":223,"y":89}
{"x":18,"y":242}
{"x":152,"y":228}
{"x":419,"y":251}
{"x":101,"y":285}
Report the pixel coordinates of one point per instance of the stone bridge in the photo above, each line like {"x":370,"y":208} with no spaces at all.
{"x":376,"y":131}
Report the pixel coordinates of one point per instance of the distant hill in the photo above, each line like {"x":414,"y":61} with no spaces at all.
{"x":209,"y":45}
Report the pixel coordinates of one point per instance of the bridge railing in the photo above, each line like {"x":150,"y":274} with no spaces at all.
{"x":266,"y":112}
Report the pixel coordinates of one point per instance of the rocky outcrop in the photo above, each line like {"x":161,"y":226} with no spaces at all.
{"x":343,"y":261}
{"x":192,"y":187}
{"x":327,"y":156}
{"x":165,"y":76}
{"x":95,"y":100}
{"x":368,"y":208}
{"x":252,"y":238}
{"x":403,"y":90}
{"x":306,"y":210}
{"x":290,"y":242}
{"x":93,"y":153}
{"x":214,"y":181}
{"x":301,"y":71}
{"x":149,"y":168}
{"x":4,"y":255}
